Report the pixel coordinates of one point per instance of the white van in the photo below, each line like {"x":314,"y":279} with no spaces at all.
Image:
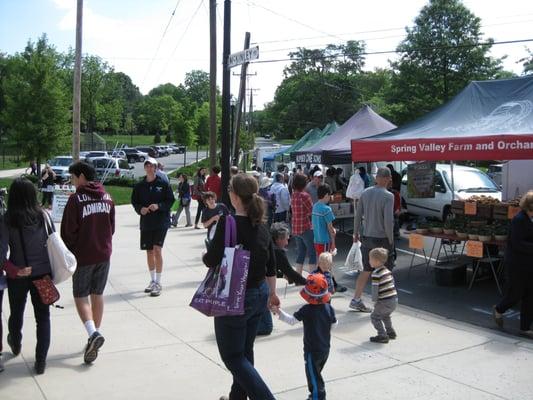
{"x":467,"y":182}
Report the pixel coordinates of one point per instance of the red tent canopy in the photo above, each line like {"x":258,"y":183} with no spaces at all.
{"x":488,"y":120}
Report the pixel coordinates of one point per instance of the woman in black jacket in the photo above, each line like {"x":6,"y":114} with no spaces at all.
{"x":23,"y":231}
{"x":184,"y":198}
{"x":519,"y":267}
{"x":235,"y":335}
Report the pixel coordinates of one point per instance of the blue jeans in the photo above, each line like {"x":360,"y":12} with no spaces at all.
{"x":235,"y":339}
{"x":266,"y":325}
{"x":305,"y":245}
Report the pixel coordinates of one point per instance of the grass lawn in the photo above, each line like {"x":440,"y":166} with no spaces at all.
{"x":9,"y":163}
{"x":120,"y":194}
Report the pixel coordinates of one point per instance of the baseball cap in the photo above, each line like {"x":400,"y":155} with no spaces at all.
{"x":150,"y":160}
{"x":318,"y":173}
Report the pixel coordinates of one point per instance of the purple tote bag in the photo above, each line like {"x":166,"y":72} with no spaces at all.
{"x":222,"y":291}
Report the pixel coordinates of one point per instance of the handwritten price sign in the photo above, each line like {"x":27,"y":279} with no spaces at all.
{"x":470,"y":208}
{"x":416,"y":241}
{"x":474,"y":249}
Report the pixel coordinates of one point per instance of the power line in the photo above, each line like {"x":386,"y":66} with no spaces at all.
{"x":294,"y":20}
{"x":363,"y":39}
{"x":379,"y":30}
{"x":160,"y":41}
{"x":181,"y":38}
{"x":396,"y":51}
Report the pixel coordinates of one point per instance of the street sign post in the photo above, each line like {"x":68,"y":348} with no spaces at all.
{"x":243,"y":56}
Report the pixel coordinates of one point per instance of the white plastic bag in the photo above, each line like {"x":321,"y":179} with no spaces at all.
{"x":355,"y":187}
{"x":354,"y":260}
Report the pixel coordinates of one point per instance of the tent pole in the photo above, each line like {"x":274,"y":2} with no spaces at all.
{"x":354,"y":201}
{"x":453,"y":182}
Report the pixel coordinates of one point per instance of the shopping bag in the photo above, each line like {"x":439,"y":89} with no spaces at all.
{"x":62,"y":261}
{"x":175,"y":205}
{"x":354,"y":260}
{"x":222,"y":291}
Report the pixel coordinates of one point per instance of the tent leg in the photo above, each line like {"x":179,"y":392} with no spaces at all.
{"x":453,"y":182}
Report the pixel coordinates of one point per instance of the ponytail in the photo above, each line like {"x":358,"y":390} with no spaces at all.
{"x":256,"y":209}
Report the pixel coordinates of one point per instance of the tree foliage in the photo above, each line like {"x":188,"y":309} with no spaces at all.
{"x":441,"y":54}
{"x":36,"y":112}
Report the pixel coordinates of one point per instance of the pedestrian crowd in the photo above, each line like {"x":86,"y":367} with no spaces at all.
{"x":268,"y":210}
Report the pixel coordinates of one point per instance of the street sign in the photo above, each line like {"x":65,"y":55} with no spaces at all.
{"x":243,"y":56}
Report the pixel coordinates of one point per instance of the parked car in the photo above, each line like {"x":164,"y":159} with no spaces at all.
{"x":148,"y":150}
{"x":162,"y":150}
{"x":495,"y":173}
{"x":135,"y":155}
{"x":467,"y":182}
{"x":94,"y":154}
{"x":60,"y":166}
{"x":178,"y":148}
{"x":112,"y":167}
{"x":117,"y":153}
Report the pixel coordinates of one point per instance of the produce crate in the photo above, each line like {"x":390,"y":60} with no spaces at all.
{"x":500,"y":211}
{"x":484,"y":210}
{"x":458,"y":207}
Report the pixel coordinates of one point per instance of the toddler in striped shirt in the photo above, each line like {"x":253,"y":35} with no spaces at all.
{"x":384,"y":296}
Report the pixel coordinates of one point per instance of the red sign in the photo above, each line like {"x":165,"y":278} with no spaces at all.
{"x":497,"y":147}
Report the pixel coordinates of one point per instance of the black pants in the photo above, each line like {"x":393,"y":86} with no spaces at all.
{"x":519,"y":288}
{"x":18,"y":292}
{"x":314,"y":363}
{"x":201,"y":207}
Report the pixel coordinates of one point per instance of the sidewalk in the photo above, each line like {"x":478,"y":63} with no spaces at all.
{"x":160,"y":348}
{"x":9,"y":173}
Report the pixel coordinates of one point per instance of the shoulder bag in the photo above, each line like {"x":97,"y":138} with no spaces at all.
{"x":62,"y":260}
{"x":222,"y":291}
{"x":48,"y":292}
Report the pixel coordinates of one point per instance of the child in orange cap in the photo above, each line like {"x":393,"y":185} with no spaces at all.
{"x":317,"y":316}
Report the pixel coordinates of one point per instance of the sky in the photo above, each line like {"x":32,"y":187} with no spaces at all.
{"x":142,"y":39}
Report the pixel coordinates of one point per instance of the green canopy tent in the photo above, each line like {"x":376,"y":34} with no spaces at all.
{"x":314,"y":139}
{"x":285,"y":156}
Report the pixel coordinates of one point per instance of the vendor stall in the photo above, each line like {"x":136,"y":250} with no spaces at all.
{"x":488,"y":120}
{"x":335,"y":149}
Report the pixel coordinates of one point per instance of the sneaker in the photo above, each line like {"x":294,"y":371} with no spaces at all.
{"x":379,"y":339}
{"x":188,"y":225}
{"x":359,"y":306}
{"x":39,"y":367}
{"x":498,"y":318}
{"x":341,"y":289}
{"x":392,"y":334}
{"x":156,"y":291}
{"x":15,"y":348}
{"x":150,"y":287}
{"x":93,"y":345}
{"x":223,"y":398}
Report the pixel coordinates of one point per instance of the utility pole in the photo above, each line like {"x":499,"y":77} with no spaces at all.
{"x":76,"y":102}
{"x":242,"y":93}
{"x":225,"y":142}
{"x":213,"y":83}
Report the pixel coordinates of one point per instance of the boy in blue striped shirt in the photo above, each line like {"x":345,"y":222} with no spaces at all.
{"x":384,"y":296}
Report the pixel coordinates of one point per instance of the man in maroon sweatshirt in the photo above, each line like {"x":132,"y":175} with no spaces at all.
{"x":87,"y":229}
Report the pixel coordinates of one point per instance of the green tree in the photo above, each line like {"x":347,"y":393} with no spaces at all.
{"x":201,"y":124}
{"x":440,"y":56}
{"x":93,"y":82}
{"x":36,"y":112}
{"x":527,"y":62}
{"x":197,"y":86}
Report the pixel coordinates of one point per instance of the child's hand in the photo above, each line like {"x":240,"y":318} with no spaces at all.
{"x":274,"y":309}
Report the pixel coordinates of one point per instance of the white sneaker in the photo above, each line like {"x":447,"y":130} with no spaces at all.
{"x":156,"y":291}
{"x":150,"y":287}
